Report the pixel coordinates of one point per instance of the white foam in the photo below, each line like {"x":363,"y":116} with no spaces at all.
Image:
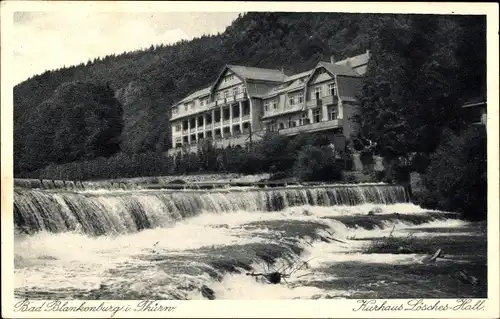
{"x":73,"y":260}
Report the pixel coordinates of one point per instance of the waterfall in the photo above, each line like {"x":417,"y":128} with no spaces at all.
{"x":114,"y":212}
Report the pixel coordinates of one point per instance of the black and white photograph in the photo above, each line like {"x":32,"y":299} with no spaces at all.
{"x":251,"y":154}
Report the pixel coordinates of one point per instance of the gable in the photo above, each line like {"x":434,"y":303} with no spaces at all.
{"x":227,"y":79}
{"x":320,"y":75}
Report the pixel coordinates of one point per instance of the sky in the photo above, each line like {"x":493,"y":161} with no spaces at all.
{"x":50,"y":40}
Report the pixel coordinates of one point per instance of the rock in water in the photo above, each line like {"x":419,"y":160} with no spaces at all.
{"x":207,"y":292}
{"x":274,"y":277}
{"x":375,"y":211}
{"x":306,"y":213}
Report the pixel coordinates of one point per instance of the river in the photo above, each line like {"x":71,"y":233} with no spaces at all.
{"x":163,"y":244}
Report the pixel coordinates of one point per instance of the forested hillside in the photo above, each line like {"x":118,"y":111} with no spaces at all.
{"x":147,"y":82}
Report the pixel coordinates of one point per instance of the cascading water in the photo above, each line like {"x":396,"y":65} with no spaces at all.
{"x":164,"y":244}
{"x":105,"y":212}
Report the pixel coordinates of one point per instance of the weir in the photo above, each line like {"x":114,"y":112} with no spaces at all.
{"x":115,"y":212}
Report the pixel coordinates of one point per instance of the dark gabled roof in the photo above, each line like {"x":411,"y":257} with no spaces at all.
{"x":298,"y":76}
{"x":289,"y":87}
{"x":356,"y":61}
{"x":348,"y":87}
{"x":252,"y":73}
{"x":196,"y":94}
{"x":338,"y":69}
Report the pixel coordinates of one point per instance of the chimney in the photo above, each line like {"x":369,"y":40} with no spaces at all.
{"x":332,"y":59}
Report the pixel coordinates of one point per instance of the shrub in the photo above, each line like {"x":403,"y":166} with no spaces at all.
{"x":316,"y":164}
{"x":456,"y":177}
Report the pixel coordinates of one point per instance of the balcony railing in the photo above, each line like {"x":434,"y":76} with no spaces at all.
{"x":311,"y":103}
{"x":312,"y":127}
{"x":330,"y":99}
{"x":193,"y":129}
{"x":245,"y":117}
{"x":184,"y":132}
{"x":288,"y":109}
{"x":208,"y":126}
{"x":226,"y":122}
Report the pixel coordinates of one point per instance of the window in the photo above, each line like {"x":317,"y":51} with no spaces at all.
{"x":191,"y":106}
{"x":317,"y":93}
{"x":218,"y":96}
{"x":333,"y":114}
{"x":243,"y":89}
{"x":185,"y":107}
{"x":235,"y":91}
{"x":291,"y":122}
{"x":304,"y":119}
{"x":272,"y":126}
{"x":226,"y":93}
{"x":291,"y":100}
{"x":281,"y":125}
{"x":177,"y":127}
{"x":316,"y":116}
{"x":301,"y":97}
{"x":175,"y":110}
{"x":275,"y":105}
{"x":266,"y":106}
{"x":202,"y":102}
{"x":331,"y":89}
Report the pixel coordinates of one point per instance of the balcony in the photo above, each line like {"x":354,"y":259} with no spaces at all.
{"x":312,"y":127}
{"x":192,"y":130}
{"x":313,"y":103}
{"x":217,"y":124}
{"x":208,"y":126}
{"x":245,"y":118}
{"x":288,"y":109}
{"x":330,"y":99}
{"x":185,"y":132}
{"x":226,"y":122}
{"x":211,"y":105}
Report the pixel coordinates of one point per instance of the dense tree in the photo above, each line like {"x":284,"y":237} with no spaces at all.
{"x":415,"y":83}
{"x":81,"y":120}
{"x":456,"y":179}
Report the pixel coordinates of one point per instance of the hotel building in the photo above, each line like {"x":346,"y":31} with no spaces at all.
{"x":246,"y":102}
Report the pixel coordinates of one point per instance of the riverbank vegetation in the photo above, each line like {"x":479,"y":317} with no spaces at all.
{"x":305,"y":158}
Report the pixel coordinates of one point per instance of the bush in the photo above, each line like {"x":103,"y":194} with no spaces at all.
{"x":456,"y":177}
{"x":316,"y":164}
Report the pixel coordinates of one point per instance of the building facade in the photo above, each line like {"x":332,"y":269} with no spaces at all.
{"x":244,"y":103}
